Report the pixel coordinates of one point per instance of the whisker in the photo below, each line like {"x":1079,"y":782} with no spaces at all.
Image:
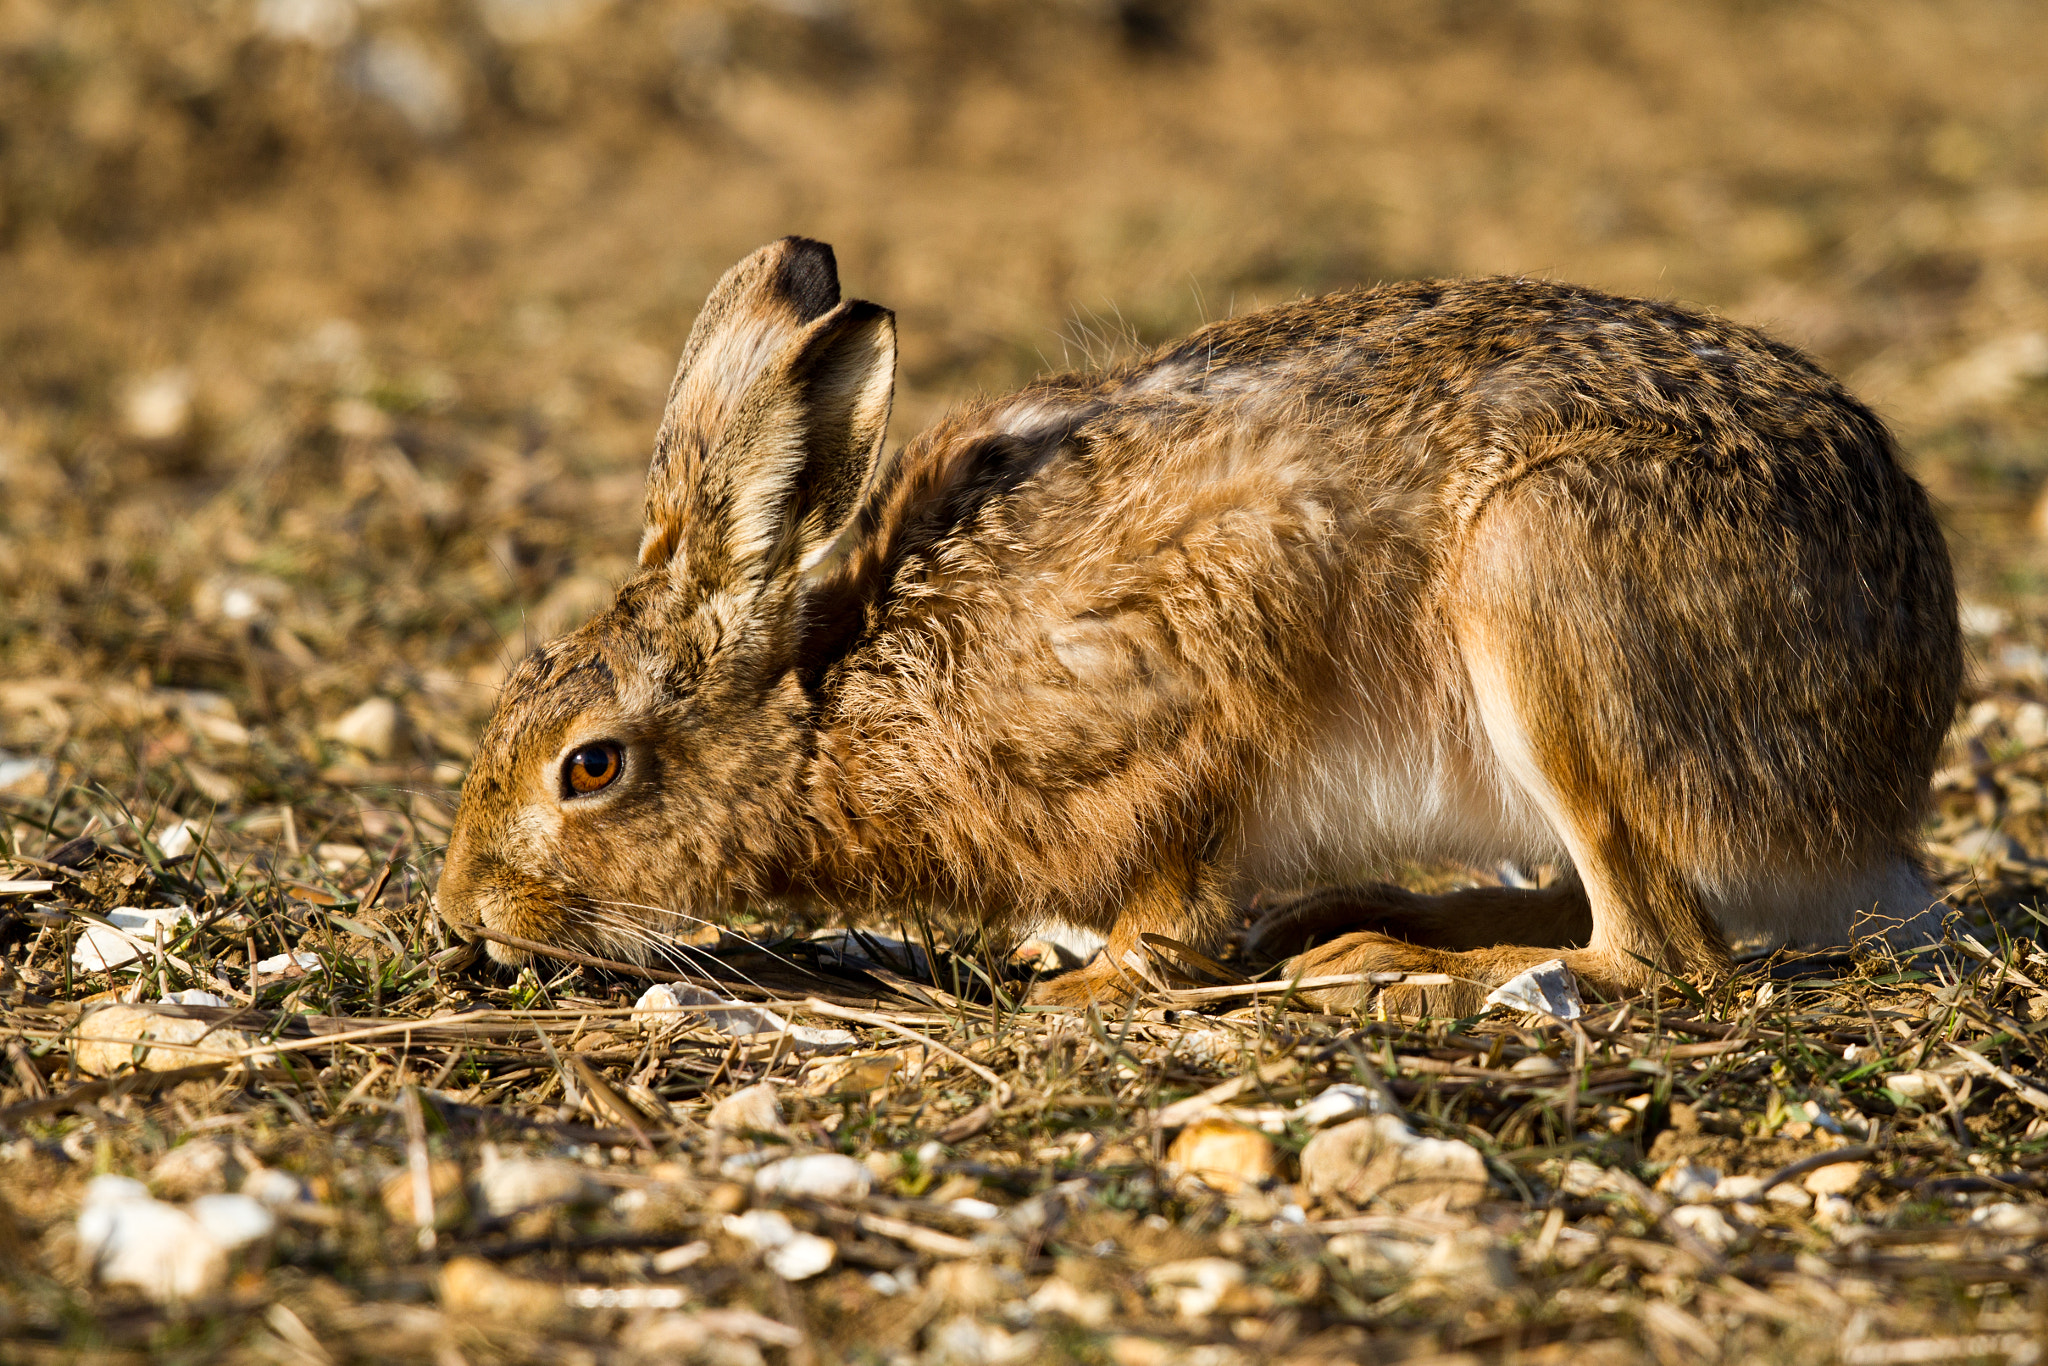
{"x":677,"y":955}
{"x":686,"y":918}
{"x":680,"y":955}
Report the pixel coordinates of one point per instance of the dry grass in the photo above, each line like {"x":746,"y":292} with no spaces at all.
{"x":305,"y":401}
{"x":1932,"y":1237}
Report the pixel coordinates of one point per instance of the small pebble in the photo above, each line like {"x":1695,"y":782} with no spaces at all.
{"x":817,"y":1176}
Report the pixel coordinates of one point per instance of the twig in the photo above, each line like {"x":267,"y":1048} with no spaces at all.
{"x":1659,"y":1209}
{"x":132,"y":1083}
{"x":1855,"y":1152}
{"x":832,"y":1012}
{"x":422,"y":1167}
{"x":1190,"y":995}
{"x":1977,"y":1062}
{"x":1184,"y":1112}
{"x":917,"y":1236}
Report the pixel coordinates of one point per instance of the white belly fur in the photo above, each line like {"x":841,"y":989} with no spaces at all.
{"x":1377,"y":787}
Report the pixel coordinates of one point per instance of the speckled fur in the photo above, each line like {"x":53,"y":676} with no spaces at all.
{"x":1476,"y":569}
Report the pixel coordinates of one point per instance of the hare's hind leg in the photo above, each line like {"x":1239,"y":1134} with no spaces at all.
{"x":1631,"y":913}
{"x":1635,"y":916}
{"x":1629,"y":946}
{"x":1470,"y":918}
{"x":1561,"y":703}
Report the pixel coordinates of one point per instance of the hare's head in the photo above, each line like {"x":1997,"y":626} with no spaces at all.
{"x":644,"y":771}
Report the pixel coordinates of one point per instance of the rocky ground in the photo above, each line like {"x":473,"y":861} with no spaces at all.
{"x":333,"y":339}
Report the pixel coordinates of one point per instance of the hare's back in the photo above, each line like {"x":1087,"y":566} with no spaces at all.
{"x":1500,"y":353}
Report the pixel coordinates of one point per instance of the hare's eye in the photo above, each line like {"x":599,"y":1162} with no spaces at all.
{"x":590,"y":768}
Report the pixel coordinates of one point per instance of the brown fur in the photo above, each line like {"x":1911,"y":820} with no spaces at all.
{"x":1471,"y":569}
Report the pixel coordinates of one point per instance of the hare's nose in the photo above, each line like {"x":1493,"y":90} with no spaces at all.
{"x":458,"y":909}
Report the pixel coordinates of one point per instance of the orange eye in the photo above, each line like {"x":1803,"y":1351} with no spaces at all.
{"x":590,"y":768}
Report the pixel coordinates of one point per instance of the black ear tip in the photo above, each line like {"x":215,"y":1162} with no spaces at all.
{"x":808,"y":276}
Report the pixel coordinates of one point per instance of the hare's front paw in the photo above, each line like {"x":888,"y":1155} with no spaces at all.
{"x":1099,"y":983}
{"x":1366,"y":953}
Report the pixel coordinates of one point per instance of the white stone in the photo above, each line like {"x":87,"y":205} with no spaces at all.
{"x":1984,"y":845}
{"x":975,"y":1209}
{"x":290,"y":964}
{"x":100,"y":948}
{"x":2030,"y":725}
{"x":1790,"y":1196}
{"x":751,"y":1109}
{"x":1089,"y":1308}
{"x":736,"y":1018}
{"x":2010,"y":1217}
{"x":672,"y":1260}
{"x":1196,"y":1287}
{"x":1583,"y":1178}
{"x":176,"y":839}
{"x":882,"y":1283}
{"x":204,"y":1166}
{"x":967,"y":1341}
{"x":1994,"y":371}
{"x":233,"y":1221}
{"x":322,"y":23}
{"x":111,"y":1189}
{"x":1834,"y":1210}
{"x":1546,"y":989}
{"x":816,"y":1176}
{"x":1911,"y":1085}
{"x":1982,"y":619}
{"x":1379,"y":1254}
{"x":1706,"y":1223}
{"x":113,"y":1038}
{"x":1467,"y":1260}
{"x":760,"y":1227}
{"x":1837,"y":1178}
{"x":16,"y":771}
{"x":158,"y":406}
{"x":1345,"y":1100}
{"x":127,"y":1238}
{"x":193,"y":996}
{"x":1381,"y":1158}
{"x":371,"y":726}
{"x":1727,"y":1188}
{"x":509,"y":1185}
{"x":278,"y":1190}
{"x":1687,"y":1183}
{"x":789,"y":1254}
{"x":659,"y":999}
{"x":401,"y":72}
{"x":801,"y":1258}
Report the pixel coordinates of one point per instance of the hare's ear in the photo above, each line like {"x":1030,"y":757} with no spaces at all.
{"x":801,"y":448}
{"x":756,"y":312}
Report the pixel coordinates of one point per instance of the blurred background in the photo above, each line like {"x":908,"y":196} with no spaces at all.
{"x":334,"y":333}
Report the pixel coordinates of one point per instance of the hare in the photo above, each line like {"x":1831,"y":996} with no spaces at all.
{"x":1477,"y":570}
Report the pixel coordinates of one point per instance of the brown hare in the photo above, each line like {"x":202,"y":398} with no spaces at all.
{"x":1474,"y":570}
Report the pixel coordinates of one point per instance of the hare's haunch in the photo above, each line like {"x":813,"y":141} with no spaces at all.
{"x":1478,"y":570}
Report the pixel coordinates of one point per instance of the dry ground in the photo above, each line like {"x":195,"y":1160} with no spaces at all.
{"x":332,"y":338}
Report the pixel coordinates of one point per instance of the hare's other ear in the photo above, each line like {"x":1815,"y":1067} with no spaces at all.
{"x":777,"y":413}
{"x":805,"y":442}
